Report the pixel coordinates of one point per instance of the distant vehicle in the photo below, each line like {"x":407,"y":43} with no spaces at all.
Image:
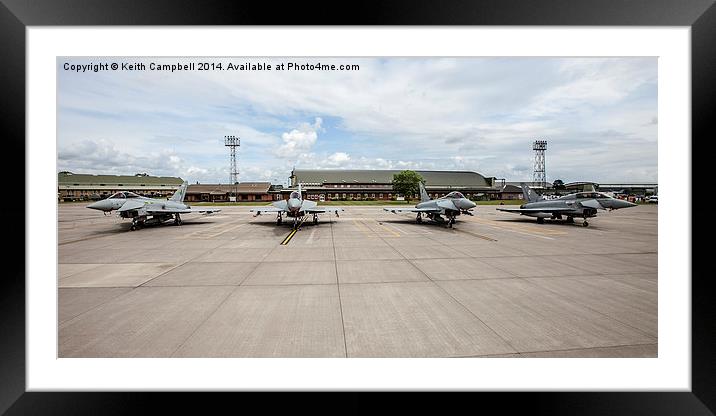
{"x":654,"y":199}
{"x":143,"y":210}
{"x":295,"y":207}
{"x":580,"y":204}
{"x":451,"y":205}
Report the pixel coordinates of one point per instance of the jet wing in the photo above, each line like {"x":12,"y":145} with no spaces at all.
{"x":278,"y":206}
{"x":317,"y":210}
{"x":131,"y":206}
{"x":267,"y":209}
{"x":397,"y":210}
{"x":205,"y":210}
{"x":592,"y":203}
{"x":533,"y":210}
{"x":181,"y":211}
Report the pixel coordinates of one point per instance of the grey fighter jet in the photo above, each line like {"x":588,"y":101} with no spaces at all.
{"x":580,"y":204}
{"x":143,"y":210}
{"x":451,"y":206}
{"x":295,"y":207}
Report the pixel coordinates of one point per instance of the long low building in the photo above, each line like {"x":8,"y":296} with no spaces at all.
{"x":82,"y":186}
{"x":627,"y":188}
{"x":339,"y":184}
{"x":244,"y":191}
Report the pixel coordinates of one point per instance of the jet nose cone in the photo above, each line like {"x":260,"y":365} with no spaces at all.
{"x":294,"y":204}
{"x":100,"y":206}
{"x":620,"y":203}
{"x":466,"y":204}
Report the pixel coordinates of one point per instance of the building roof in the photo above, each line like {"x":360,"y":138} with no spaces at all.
{"x":511,"y":188}
{"x":221,"y":189}
{"x":528,"y":183}
{"x":433,"y":178}
{"x":69,"y":178}
{"x":580,"y":183}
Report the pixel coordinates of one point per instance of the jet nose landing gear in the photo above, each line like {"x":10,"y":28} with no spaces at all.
{"x":451,"y":221}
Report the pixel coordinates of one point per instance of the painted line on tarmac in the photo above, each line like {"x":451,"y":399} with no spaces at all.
{"x":524,"y":229}
{"x":511,"y":229}
{"x":289,"y":237}
{"x":386,"y":227}
{"x":400,"y":230}
{"x":227,"y":230}
{"x":201,"y":233}
{"x":365,"y":230}
{"x":293,"y":232}
{"x":484,"y":237}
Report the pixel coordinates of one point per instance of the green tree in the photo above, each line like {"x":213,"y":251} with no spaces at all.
{"x":406,"y":183}
{"x":558,"y":184}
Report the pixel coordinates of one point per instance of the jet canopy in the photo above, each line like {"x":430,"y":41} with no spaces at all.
{"x":123,"y":195}
{"x":295,"y":195}
{"x":591,"y":195}
{"x":455,"y":195}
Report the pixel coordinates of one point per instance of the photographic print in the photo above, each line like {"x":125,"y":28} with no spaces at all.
{"x":398,"y":207}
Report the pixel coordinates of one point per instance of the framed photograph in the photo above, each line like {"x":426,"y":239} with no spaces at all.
{"x":459,"y":199}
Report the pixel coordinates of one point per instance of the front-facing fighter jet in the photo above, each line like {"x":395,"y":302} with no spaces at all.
{"x":580,"y":204}
{"x":143,"y":210}
{"x":451,"y":205}
{"x":295,"y":207}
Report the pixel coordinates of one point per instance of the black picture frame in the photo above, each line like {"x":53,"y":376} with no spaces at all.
{"x":16,"y":15}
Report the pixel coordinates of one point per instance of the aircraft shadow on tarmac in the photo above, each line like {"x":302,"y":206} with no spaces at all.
{"x":426,"y":222}
{"x":563,"y":223}
{"x":287,"y":225}
{"x":125,"y":226}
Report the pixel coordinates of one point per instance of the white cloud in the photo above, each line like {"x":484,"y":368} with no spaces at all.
{"x":469,"y":113}
{"x":338,"y":158}
{"x":299,"y":140}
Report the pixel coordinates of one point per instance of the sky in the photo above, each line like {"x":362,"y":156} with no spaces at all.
{"x":598,"y":116}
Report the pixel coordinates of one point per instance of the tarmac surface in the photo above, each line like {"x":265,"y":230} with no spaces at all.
{"x":367,"y":284}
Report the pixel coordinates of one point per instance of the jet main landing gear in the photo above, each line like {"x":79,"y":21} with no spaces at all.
{"x":177,"y":219}
{"x":136,"y":224}
{"x":585,"y":223}
{"x":315,"y":219}
{"x":419,"y":218}
{"x":279,"y":219}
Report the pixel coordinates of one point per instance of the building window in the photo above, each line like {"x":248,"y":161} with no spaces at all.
{"x":380,"y":196}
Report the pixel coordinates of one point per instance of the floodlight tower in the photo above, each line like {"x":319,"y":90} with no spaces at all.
{"x":232,"y":142}
{"x":539,"y":178}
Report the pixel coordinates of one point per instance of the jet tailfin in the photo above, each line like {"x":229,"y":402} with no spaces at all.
{"x":423,"y":193}
{"x":529,"y":194}
{"x":300,"y":194}
{"x":180,"y":193}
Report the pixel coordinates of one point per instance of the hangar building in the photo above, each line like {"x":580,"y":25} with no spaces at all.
{"x":245,"y":191}
{"x":80,"y":186}
{"x":339,"y":184}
